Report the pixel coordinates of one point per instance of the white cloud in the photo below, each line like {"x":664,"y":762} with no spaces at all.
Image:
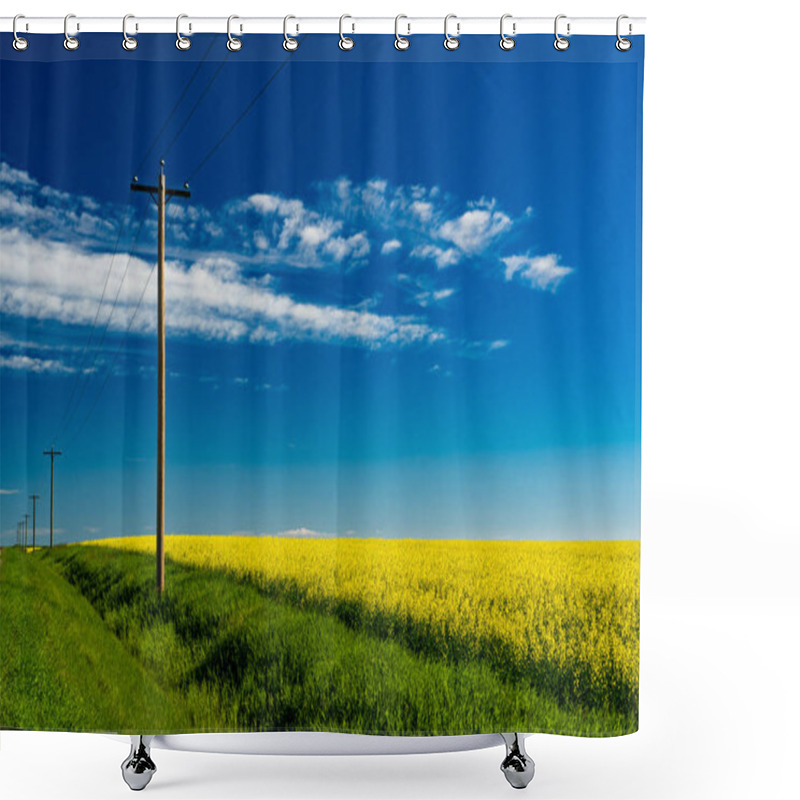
{"x":302,"y":533}
{"x":540,"y":272}
{"x":498,"y":344}
{"x":300,"y":236}
{"x":443,"y":258}
{"x":473,"y":231}
{"x":227,"y":266}
{"x":53,"y":280}
{"x":425,"y":298}
{"x":15,"y":177}
{"x":9,"y":491}
{"x":37,"y":365}
{"x":422,"y":210}
{"x":391,"y":246}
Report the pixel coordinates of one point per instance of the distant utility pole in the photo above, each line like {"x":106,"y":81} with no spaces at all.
{"x":34,"y":497}
{"x":161,"y":195}
{"x":52,"y":453}
{"x":19,"y":535}
{"x":26,"y":532}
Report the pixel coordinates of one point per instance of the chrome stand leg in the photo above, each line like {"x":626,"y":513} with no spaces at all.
{"x":138,"y":768}
{"x":517,"y":766}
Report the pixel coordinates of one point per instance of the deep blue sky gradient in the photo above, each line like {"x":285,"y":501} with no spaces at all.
{"x":535,"y":439}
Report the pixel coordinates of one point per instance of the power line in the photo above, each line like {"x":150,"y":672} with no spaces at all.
{"x":79,"y":371}
{"x":177,"y":103}
{"x":90,"y":370}
{"x":241,"y":116}
{"x":183,"y":126}
{"x":113,"y":360}
{"x":197,"y":104}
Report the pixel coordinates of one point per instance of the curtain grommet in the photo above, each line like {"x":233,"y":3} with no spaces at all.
{"x":289,"y":44}
{"x":561,"y":44}
{"x":182,"y":42}
{"x":401,"y":42}
{"x":129,"y":43}
{"x":507,"y":42}
{"x":451,"y":42}
{"x":70,"y":42}
{"x":622,"y":44}
{"x":20,"y":43}
{"x":345,"y":42}
{"x":234,"y":44}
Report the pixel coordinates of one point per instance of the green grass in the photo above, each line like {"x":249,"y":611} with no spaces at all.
{"x":60,"y":669}
{"x":241,"y":660}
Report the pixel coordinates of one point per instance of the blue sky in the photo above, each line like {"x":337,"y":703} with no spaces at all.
{"x":403,"y":299}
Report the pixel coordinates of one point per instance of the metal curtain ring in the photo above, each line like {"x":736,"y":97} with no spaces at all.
{"x":560,"y":43}
{"x":401,"y":42}
{"x":289,"y":44}
{"x":128,"y":42}
{"x":19,"y":42}
{"x":233,"y":44}
{"x":345,"y":42}
{"x":507,"y":42}
{"x":622,"y":43}
{"x":181,"y":41}
{"x":70,"y":42}
{"x":451,"y":42}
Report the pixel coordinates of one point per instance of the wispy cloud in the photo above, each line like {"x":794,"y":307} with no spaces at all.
{"x":38,"y":365}
{"x":421,"y":288}
{"x":210,"y":298}
{"x":9,"y":491}
{"x":391,"y":246}
{"x":302,"y":533}
{"x":475,"y":229}
{"x":227,"y":276}
{"x":539,"y":272}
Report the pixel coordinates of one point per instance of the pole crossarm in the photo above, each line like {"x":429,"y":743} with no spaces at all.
{"x":153,"y":191}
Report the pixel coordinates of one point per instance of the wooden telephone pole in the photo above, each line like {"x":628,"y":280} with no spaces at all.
{"x":26,"y":532}
{"x":34,"y":497}
{"x":161,"y":195}
{"x":52,"y":453}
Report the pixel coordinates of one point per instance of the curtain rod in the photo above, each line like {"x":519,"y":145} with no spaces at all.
{"x":252,"y":25}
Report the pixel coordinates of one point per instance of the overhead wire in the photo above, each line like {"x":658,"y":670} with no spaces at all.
{"x":241,"y":116}
{"x":86,"y":346}
{"x":114,"y":358}
{"x":87,"y":373}
{"x":177,"y":103}
{"x":209,"y":154}
{"x":197,"y":104}
{"x":82,"y":376}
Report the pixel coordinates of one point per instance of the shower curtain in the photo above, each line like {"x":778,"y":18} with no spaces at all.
{"x":320,"y":385}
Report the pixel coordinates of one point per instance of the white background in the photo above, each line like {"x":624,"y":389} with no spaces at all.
{"x":721,"y":401}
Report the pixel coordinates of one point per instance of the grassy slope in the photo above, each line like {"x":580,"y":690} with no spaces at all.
{"x":60,"y":669}
{"x":246,"y":661}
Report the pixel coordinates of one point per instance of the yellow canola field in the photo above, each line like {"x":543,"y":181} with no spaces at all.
{"x":569,"y":607}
